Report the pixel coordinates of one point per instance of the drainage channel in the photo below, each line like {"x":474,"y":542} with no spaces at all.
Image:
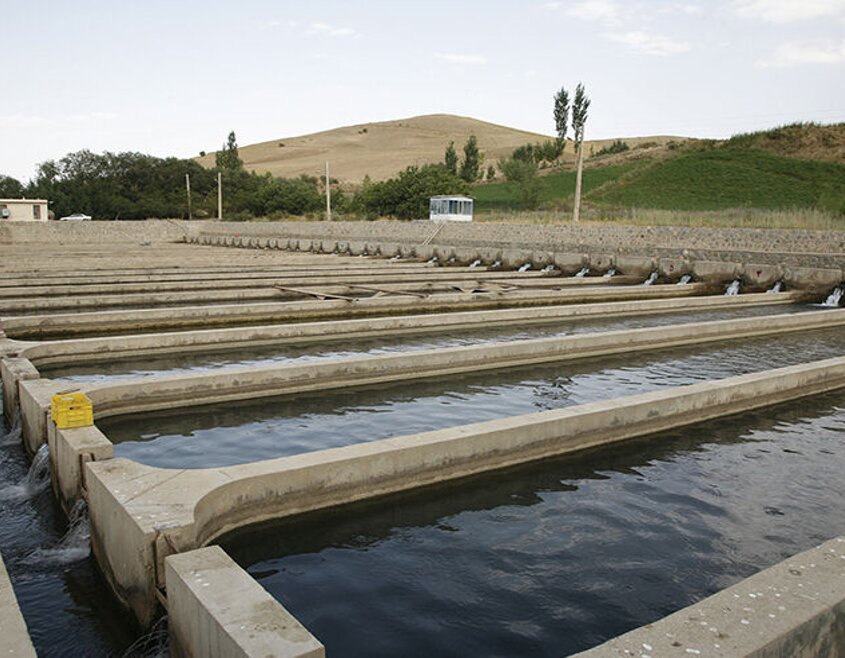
{"x":64,"y":600}
{"x":218,"y":435}
{"x":561,"y":555}
{"x":203,"y":362}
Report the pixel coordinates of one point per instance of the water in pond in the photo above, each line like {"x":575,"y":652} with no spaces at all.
{"x":64,"y":600}
{"x":557,"y":557}
{"x":218,"y":435}
{"x":198,"y":362}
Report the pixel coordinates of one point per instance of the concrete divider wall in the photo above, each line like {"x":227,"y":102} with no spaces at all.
{"x":154,"y":393}
{"x":93,"y":350}
{"x":140,"y":514}
{"x":215,"y":608}
{"x":795,"y":609}
{"x":14,"y":636}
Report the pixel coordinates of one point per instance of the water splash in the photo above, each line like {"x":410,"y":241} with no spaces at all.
{"x":733,"y":288}
{"x":433,"y":260}
{"x":835,"y":297}
{"x":549,"y":268}
{"x":525,"y":267}
{"x":397,"y":257}
{"x":497,"y":264}
{"x":651,"y":280}
{"x":584,"y":271}
{"x":155,"y":643}
{"x":685,"y":279}
{"x":611,"y":272}
{"x":475,"y":263}
{"x":34,"y":482}
{"x":74,"y":545}
{"x":13,"y":436}
{"x":777,"y":287}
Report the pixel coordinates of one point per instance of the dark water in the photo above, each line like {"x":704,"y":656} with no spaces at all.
{"x":199,"y":362}
{"x":63,"y":597}
{"x":557,"y":557}
{"x":247,"y":431}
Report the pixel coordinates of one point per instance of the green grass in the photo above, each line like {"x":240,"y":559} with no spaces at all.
{"x":699,"y":180}
{"x":557,"y":187}
{"x":730,"y":178}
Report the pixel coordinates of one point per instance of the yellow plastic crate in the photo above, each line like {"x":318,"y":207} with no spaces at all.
{"x":71,"y":410}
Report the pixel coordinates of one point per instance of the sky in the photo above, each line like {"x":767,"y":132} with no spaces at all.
{"x":173,"y":78}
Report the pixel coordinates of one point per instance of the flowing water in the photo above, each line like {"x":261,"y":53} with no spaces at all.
{"x":240,"y":432}
{"x":651,"y":280}
{"x":733,"y":288}
{"x":559,"y":556}
{"x":202,"y":362}
{"x":64,"y":600}
{"x":685,"y":279}
{"x":584,"y":271}
{"x":835,"y":297}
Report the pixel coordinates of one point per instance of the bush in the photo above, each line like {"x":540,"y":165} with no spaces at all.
{"x":618,"y":146}
{"x":407,"y":196}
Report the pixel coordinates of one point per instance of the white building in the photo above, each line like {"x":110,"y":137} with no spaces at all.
{"x":454,"y":208}
{"x":23,"y":210}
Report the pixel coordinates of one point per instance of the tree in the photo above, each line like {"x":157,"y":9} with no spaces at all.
{"x":10,"y":188}
{"x":471,"y":166}
{"x":407,"y":196}
{"x":451,"y":158}
{"x":580,"y":105}
{"x":561,"y":114}
{"x":227,"y":158}
{"x":523,"y":174}
{"x":491,"y":172}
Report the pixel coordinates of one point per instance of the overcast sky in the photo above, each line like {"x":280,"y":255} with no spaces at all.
{"x":173,"y":78}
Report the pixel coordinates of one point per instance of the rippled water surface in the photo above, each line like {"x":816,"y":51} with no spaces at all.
{"x":199,"y":362}
{"x":261,"y":429}
{"x":557,"y":557}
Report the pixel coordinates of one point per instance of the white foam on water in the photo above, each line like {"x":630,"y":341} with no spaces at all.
{"x":611,"y":272}
{"x":525,"y":267}
{"x":34,"y":482}
{"x":733,"y":288}
{"x":835,"y":297}
{"x":584,"y":271}
{"x":685,"y":279}
{"x":75,"y":545}
{"x":652,"y":278}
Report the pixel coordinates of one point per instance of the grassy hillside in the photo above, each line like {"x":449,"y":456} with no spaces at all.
{"x":715,"y":176}
{"x":806,"y":141}
{"x":728,"y":178}
{"x":555,"y":189}
{"x":380,"y":150}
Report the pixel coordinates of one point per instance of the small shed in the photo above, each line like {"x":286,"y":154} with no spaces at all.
{"x":452,"y":208}
{"x":23,"y":210}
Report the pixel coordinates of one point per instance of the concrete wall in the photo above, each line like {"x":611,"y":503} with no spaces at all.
{"x":137,"y":321}
{"x":215,"y":608}
{"x":14,"y":637}
{"x":153,"y":393}
{"x":795,"y":609}
{"x":140,"y":514}
{"x":92,"y":350}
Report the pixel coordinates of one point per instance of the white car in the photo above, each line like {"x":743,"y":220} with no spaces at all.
{"x":75,"y":217}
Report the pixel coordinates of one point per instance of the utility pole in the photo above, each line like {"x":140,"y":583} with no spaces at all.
{"x":219,"y":195}
{"x":580,"y":105}
{"x":576,"y":207}
{"x":328,"y":194}
{"x":188,"y":189}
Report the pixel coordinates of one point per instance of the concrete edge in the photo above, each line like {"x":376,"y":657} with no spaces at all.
{"x":14,"y":638}
{"x":795,"y":608}
{"x":215,"y":608}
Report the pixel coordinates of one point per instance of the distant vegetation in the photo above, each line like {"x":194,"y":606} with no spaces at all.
{"x":618,"y":146}
{"x":756,"y":170}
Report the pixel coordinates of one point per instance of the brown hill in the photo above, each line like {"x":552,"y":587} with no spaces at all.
{"x":382,"y":149}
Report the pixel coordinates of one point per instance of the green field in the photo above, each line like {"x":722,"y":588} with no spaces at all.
{"x":554,"y":188}
{"x":693,"y":180}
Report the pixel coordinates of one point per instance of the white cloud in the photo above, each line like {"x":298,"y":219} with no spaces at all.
{"x":681,"y":8}
{"x":788,"y":11}
{"x":794,"y":53}
{"x":461,"y":58}
{"x":595,"y":10}
{"x":331,"y":30}
{"x":650,"y":44}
